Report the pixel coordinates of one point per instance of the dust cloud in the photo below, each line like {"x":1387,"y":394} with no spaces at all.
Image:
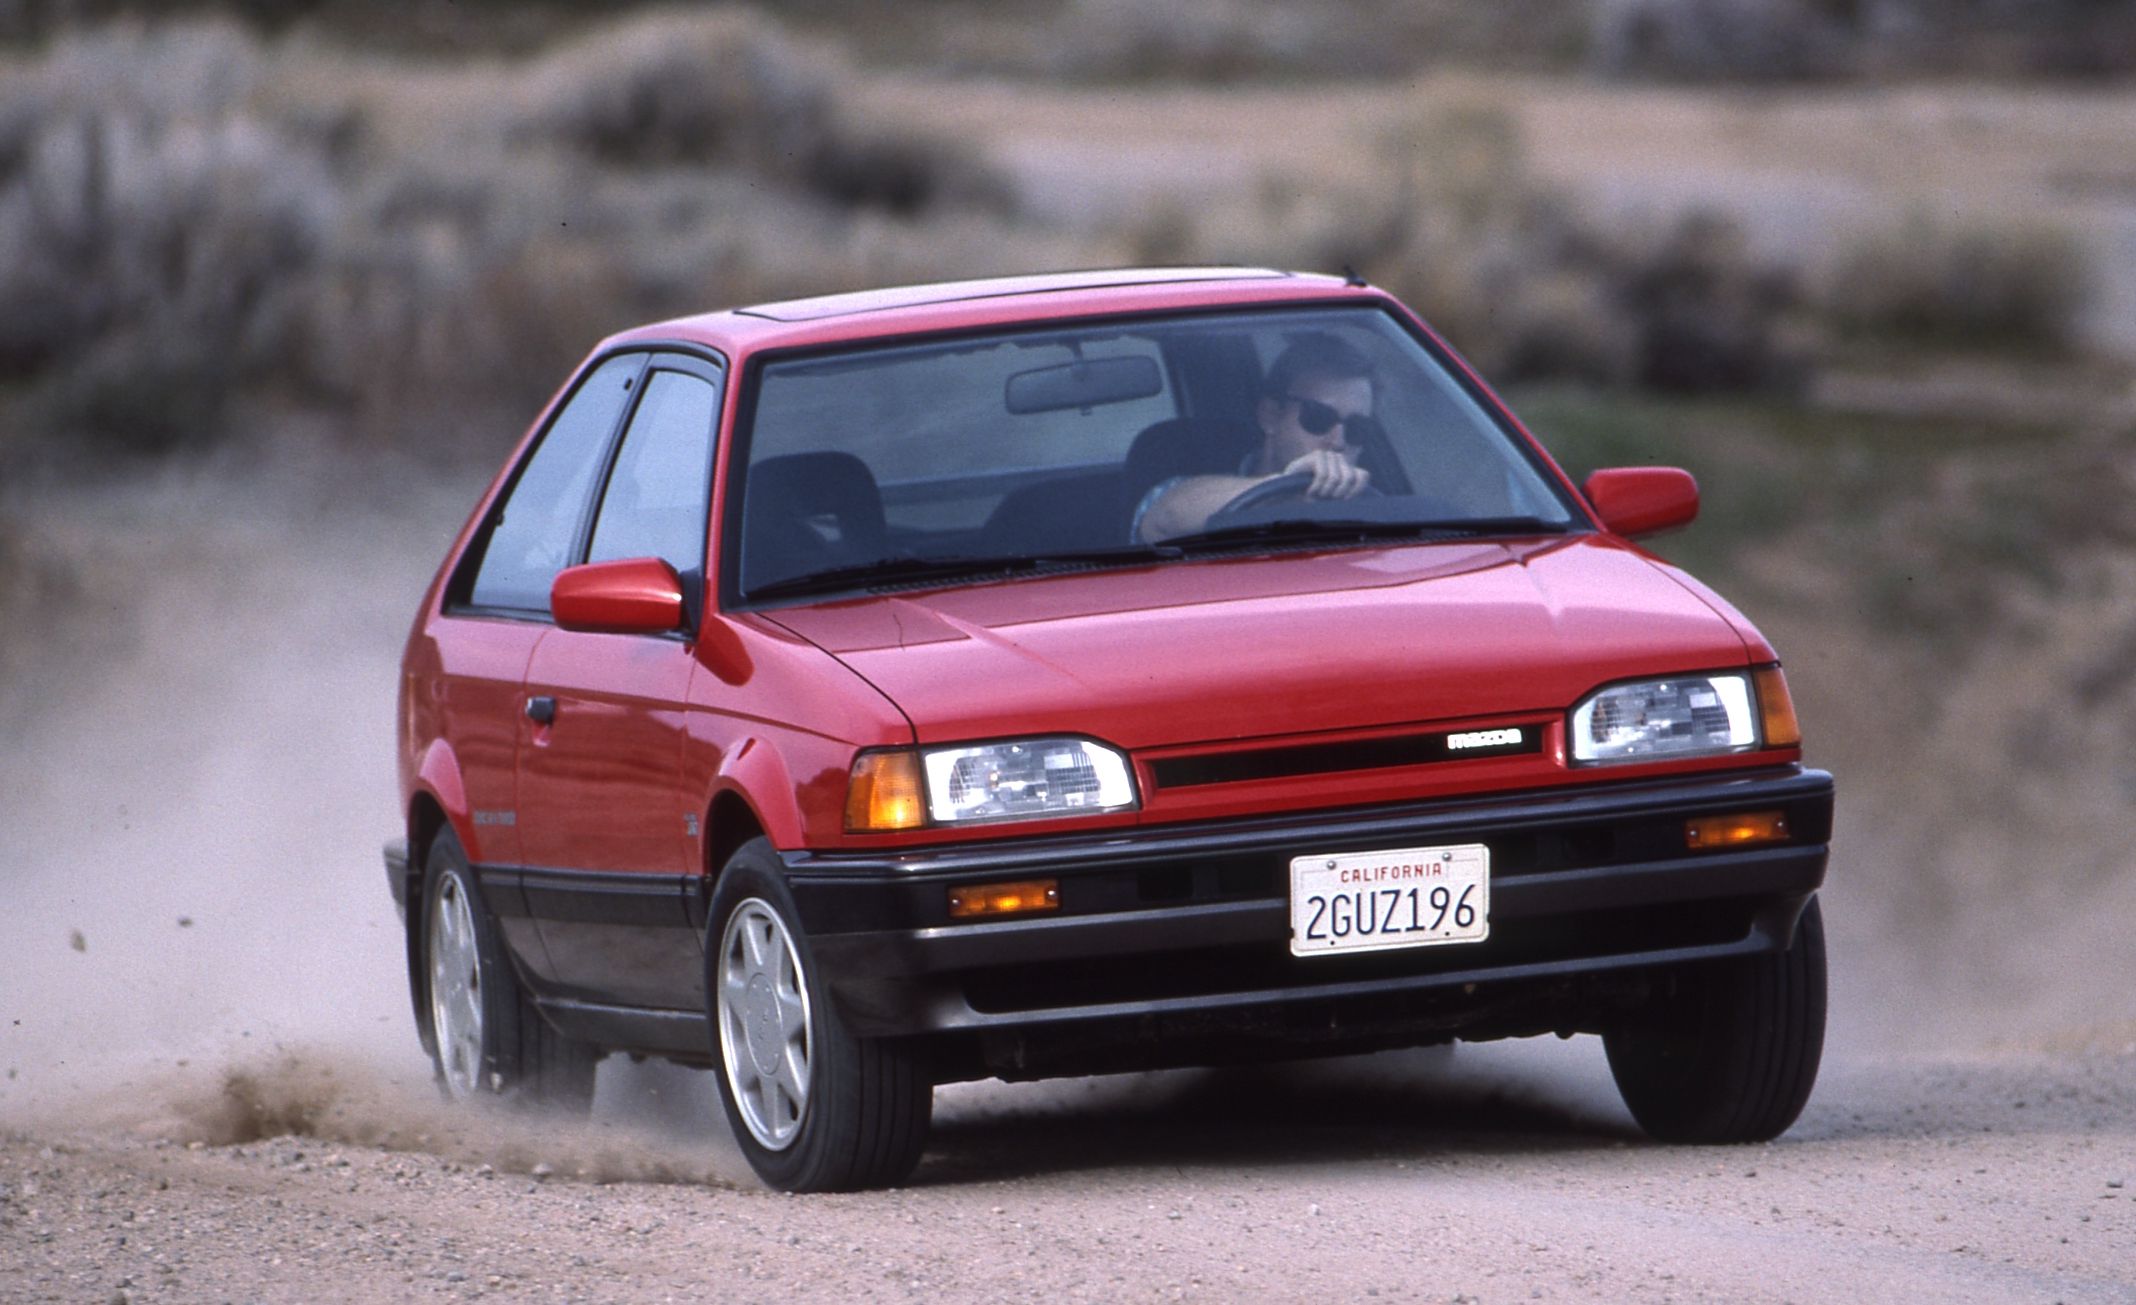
{"x":198,"y":773}
{"x":199,"y":943}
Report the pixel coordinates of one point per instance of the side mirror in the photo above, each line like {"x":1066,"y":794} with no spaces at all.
{"x":637,"y":595}
{"x":1636,"y":501}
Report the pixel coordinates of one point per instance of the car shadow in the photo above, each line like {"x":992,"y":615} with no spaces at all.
{"x":1415,"y":1105}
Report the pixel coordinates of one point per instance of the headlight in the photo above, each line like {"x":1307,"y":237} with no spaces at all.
{"x":1656,"y":720}
{"x":1024,"y":779}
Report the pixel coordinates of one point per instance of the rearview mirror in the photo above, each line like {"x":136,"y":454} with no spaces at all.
{"x":638,"y":595}
{"x":1086,"y":383}
{"x":1636,"y":501}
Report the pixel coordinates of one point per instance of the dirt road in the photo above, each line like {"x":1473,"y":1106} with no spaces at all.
{"x":1493,"y":1174}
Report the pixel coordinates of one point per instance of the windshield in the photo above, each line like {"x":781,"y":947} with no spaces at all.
{"x":1082,"y":444}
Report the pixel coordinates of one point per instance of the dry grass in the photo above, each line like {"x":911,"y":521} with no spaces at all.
{"x":1452,"y":219}
{"x":2020,"y":287}
{"x":191,"y":219}
{"x":199,"y":226}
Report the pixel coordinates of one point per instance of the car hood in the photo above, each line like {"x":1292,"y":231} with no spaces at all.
{"x":1224,"y":649}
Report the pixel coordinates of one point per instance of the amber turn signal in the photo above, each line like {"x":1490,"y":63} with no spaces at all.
{"x":1709,"y":832}
{"x":885,"y":794}
{"x":1777,"y":709}
{"x":1004,"y":899}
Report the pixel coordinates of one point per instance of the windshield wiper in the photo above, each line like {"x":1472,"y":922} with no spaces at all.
{"x":900,"y":570}
{"x":1310,"y":530}
{"x":884,"y":570}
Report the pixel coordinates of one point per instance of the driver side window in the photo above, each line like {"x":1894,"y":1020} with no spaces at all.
{"x":538,"y":525}
{"x":654,"y":505}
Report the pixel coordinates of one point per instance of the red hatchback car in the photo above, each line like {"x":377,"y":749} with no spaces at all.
{"x":1079,"y":673}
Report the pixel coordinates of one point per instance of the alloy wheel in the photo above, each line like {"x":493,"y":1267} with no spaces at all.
{"x":456,"y":988}
{"x":765,"y":1023}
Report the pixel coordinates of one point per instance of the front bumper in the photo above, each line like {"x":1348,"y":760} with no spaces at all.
{"x":1193,"y":922}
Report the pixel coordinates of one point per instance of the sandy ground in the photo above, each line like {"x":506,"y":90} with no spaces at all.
{"x":1493,"y":1174}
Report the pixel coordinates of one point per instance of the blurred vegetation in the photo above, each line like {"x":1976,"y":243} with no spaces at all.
{"x":219,"y":227}
{"x":1934,"y":529}
{"x":192,"y":221}
{"x":2017,"y":287}
{"x":1237,"y":40}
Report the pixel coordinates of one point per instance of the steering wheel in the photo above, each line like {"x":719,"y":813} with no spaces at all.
{"x":1279,"y":490}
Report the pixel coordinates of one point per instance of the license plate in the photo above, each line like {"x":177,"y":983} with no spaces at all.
{"x":1377,"y":901}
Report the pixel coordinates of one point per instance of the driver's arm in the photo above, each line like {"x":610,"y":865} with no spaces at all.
{"x":1185,"y":507}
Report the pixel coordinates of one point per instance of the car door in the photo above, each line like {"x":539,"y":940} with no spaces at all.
{"x":606,"y":833}
{"x":497,"y":609}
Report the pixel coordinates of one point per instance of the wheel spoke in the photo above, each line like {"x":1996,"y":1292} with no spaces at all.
{"x":768,"y":1107}
{"x":753,"y":945}
{"x":793,"y":1076}
{"x":782,"y":971}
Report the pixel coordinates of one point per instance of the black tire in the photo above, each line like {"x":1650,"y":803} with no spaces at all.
{"x":861,"y":1116}
{"x":496,"y":1043}
{"x":1727,"y":1051}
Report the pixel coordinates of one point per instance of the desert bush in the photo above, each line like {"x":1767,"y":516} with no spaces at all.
{"x":1242,"y":40}
{"x":154,"y":235}
{"x":1766,"y":40}
{"x":671,"y":87}
{"x":2020,"y":286}
{"x":1731,"y":39}
{"x":1707,"y":314}
{"x":191,"y":219}
{"x":729,"y":88}
{"x":1456,"y":224}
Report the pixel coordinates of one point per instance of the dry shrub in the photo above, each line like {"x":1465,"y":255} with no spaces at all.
{"x":674,"y":87}
{"x":193,"y":223}
{"x":1731,"y":39}
{"x":2020,"y":286}
{"x":729,"y":88}
{"x":1708,"y":315}
{"x":155,"y":237}
{"x":1766,"y":40}
{"x":1510,"y":273}
{"x":1240,"y":40}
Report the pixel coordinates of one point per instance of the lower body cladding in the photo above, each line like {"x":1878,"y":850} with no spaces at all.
{"x":1172,"y":946}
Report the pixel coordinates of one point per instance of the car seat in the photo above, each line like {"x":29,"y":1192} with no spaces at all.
{"x":804,"y":512}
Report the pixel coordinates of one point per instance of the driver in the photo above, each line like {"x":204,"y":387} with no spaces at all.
{"x":1316,"y":399}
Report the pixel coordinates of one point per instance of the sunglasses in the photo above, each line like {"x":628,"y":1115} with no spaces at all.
{"x":1317,"y":418}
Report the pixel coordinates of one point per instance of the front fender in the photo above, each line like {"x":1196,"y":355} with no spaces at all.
{"x":756,"y":773}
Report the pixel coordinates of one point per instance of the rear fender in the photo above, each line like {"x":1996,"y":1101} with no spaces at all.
{"x":439,"y":776}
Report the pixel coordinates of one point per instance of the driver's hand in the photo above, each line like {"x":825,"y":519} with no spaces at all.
{"x":1334,"y":476}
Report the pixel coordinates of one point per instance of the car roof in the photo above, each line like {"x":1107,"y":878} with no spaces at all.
{"x":943,"y":292}
{"x":957,"y":305}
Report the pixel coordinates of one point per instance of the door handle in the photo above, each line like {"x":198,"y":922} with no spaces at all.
{"x":541,"y":710}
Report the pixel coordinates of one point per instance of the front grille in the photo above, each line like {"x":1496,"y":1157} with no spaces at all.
{"x":1354,"y":754}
